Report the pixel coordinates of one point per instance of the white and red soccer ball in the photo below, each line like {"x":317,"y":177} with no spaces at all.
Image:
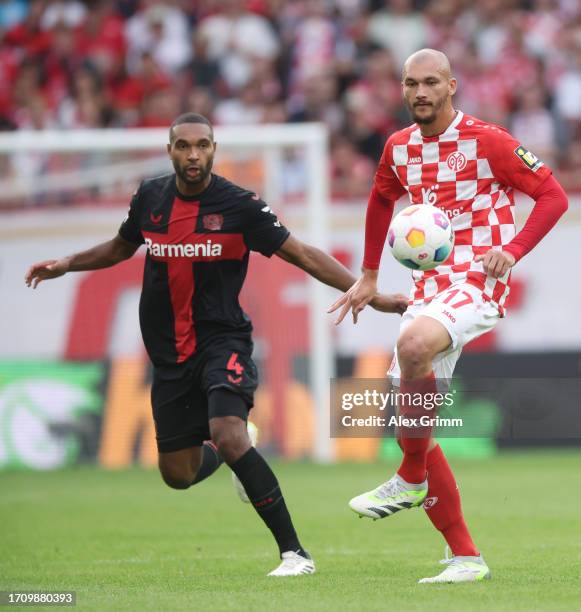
{"x":421,"y":237}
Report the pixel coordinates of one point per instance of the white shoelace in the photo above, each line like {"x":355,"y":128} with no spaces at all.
{"x":389,"y":489}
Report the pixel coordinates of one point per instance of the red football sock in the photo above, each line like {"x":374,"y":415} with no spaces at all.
{"x":415,"y":440}
{"x":443,"y":506}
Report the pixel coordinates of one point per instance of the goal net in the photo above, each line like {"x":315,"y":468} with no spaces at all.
{"x":65,"y":191}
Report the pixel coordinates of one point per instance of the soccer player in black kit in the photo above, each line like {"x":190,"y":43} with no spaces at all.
{"x":199,"y":229}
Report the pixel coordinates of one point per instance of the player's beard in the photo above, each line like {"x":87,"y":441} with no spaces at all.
{"x":430,"y":118}
{"x":200,"y":178}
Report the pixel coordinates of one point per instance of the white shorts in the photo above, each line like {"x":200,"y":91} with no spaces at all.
{"x":465,"y":315}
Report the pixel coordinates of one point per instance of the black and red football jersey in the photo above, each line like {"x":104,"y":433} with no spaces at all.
{"x":196,"y":263}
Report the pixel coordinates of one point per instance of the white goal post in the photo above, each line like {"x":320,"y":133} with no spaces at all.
{"x":39,"y":167}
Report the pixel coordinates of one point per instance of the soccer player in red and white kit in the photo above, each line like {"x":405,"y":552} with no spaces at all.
{"x":470,"y":170}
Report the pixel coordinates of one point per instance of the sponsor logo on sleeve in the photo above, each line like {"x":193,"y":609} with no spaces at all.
{"x":529,"y":159}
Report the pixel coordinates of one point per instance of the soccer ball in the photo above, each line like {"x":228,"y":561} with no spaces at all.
{"x":421,"y":237}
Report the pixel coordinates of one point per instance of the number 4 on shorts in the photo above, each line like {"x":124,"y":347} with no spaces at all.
{"x":235,"y":367}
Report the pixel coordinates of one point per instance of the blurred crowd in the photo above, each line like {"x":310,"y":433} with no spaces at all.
{"x":138,"y":63}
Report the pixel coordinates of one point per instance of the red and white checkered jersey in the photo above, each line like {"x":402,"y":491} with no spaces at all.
{"x":470,"y":171}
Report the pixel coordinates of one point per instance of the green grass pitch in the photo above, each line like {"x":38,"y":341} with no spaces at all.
{"x":124,"y":541}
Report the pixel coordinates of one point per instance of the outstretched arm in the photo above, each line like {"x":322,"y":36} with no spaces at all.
{"x":330,"y":272}
{"x":101,"y":256}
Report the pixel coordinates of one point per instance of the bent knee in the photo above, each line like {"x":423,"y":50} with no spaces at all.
{"x":231,"y":438}
{"x":178,"y":475}
{"x":178,"y":469}
{"x":176,"y":480}
{"x":232,"y":443}
{"x":413,"y":352}
{"x":179,"y":485}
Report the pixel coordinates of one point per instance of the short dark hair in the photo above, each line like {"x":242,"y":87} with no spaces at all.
{"x":190,"y":118}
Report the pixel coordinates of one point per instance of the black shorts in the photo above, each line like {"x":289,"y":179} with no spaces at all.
{"x":179,"y":395}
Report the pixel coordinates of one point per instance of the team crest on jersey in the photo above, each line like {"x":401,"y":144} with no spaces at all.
{"x":456,"y":161}
{"x":213,"y":222}
{"x":530,"y":159}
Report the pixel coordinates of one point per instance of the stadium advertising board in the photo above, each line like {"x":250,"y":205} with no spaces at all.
{"x":50,"y":413}
{"x":59,"y":414}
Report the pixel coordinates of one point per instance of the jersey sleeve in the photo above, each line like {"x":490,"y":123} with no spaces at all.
{"x":386,"y":183}
{"x":551,"y":203}
{"x":377,"y":220}
{"x":512,"y":163}
{"x":386,"y":190}
{"x":130,"y":229}
{"x":263,"y":232}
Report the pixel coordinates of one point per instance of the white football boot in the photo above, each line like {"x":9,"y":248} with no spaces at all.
{"x":294,"y":564}
{"x":460,"y":569}
{"x":392,"y":496}
{"x":253,"y":435}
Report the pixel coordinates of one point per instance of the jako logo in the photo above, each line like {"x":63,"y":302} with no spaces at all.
{"x":207,"y":249}
{"x":449,"y":315}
